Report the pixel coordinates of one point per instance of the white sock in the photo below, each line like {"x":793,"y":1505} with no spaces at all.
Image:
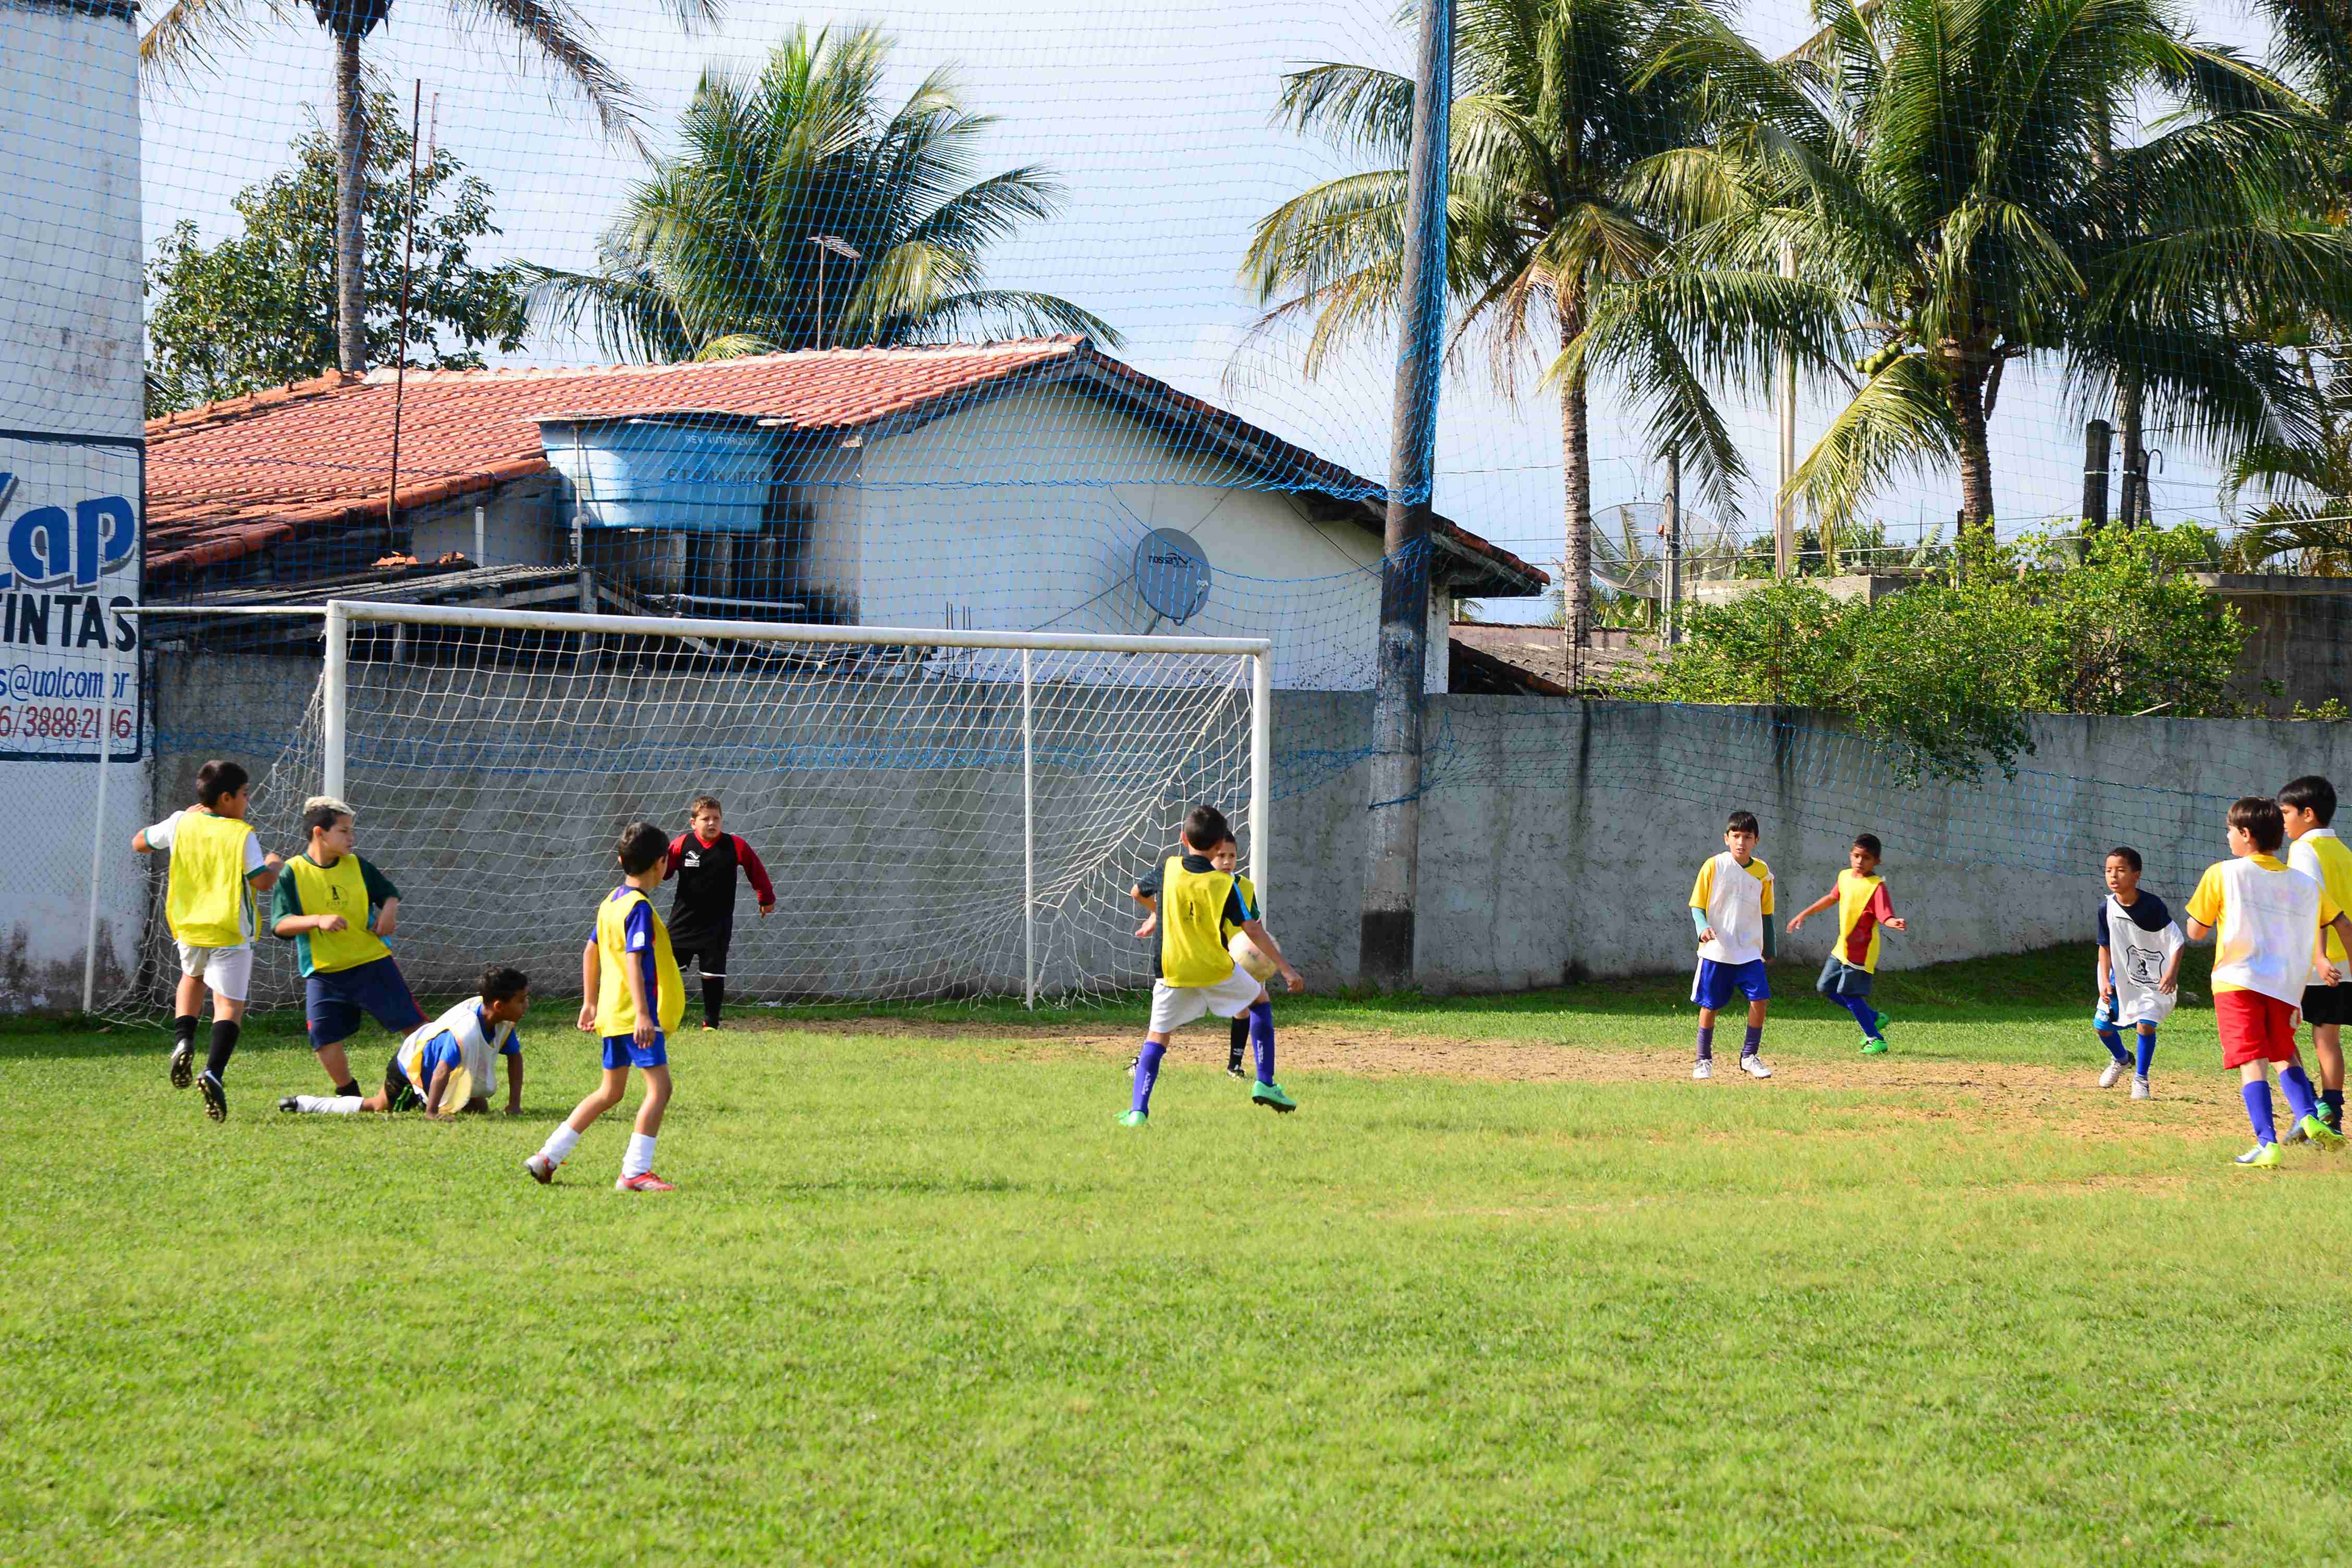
{"x":640,"y":1157}
{"x":327,"y":1104}
{"x":560,"y":1143}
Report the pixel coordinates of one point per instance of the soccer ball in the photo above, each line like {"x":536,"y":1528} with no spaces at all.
{"x":1256,"y":964}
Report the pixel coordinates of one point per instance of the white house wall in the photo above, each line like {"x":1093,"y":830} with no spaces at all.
{"x":1023,"y":513}
{"x":519,"y":523}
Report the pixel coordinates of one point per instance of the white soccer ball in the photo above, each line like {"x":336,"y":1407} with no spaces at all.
{"x":1255,"y":964}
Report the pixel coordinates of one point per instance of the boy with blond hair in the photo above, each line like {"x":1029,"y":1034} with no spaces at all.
{"x":336,"y":908}
{"x":2263,"y":916}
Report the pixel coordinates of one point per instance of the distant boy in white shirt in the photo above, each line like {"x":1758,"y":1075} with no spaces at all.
{"x":2307,"y":808}
{"x":2138,"y":970}
{"x":1731,"y":909}
{"x":218,"y":872}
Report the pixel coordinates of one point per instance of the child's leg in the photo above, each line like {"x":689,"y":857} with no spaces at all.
{"x":2254,"y":1085}
{"x":2145,"y":1056}
{"x":2328,"y":1045}
{"x":639,"y":1159}
{"x":228,"y":1019}
{"x":1259,"y":1020}
{"x":2301,"y":1099}
{"x":1706,"y":1034}
{"x":1755,"y":1040}
{"x":1147,"y":1068}
{"x":602,"y":1099}
{"x":1238,"y":1039}
{"x":2103,"y":1021}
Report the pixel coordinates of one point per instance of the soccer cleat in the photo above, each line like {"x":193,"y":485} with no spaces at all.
{"x":709,"y":1028}
{"x":2111,"y":1076}
{"x":1135,"y":1061}
{"x":643,"y":1182}
{"x":291,"y":1102}
{"x":2332,"y":1114}
{"x":1234,"y":1068}
{"x":2262,"y":1155}
{"x":183,"y":1064}
{"x":1753,"y":1066}
{"x":2140,"y":1089}
{"x":1134,"y":1119}
{"x":2319,"y":1134}
{"x":215,"y":1097}
{"x":541,"y":1169}
{"x":1873,"y":1045}
{"x":1702,"y":1071}
{"x":2294,"y":1135}
{"x":1272,"y":1095}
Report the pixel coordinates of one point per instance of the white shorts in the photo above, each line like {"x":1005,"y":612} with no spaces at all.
{"x":1174,"y":1006}
{"x":227,"y":971}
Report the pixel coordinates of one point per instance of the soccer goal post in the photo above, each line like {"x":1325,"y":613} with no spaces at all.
{"x":944,"y":813}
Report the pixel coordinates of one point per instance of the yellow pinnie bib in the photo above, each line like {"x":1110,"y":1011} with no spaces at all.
{"x":337,"y":889}
{"x":1192,"y":922}
{"x":615,"y":1012}
{"x":207,"y":899}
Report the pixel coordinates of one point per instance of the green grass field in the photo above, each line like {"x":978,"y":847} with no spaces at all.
{"x":1508,"y":1289}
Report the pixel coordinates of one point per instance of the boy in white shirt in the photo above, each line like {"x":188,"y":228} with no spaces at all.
{"x":2138,"y":970}
{"x":1731,"y":909}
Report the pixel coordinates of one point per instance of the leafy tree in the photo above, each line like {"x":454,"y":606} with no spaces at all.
{"x":712,"y":256}
{"x":2306,"y":509}
{"x":185,"y":38}
{"x":1561,"y":116}
{"x":1942,"y":178}
{"x":1946,"y":672}
{"x":258,"y":309}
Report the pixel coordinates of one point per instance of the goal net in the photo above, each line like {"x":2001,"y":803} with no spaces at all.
{"x":944,"y":814}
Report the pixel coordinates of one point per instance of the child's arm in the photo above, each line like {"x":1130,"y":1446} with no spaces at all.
{"x":514,"y":1084}
{"x":588,"y":987}
{"x":761,"y":888}
{"x":1151,"y":920}
{"x":2342,"y":927}
{"x":265,"y":877}
{"x":2169,"y":981}
{"x":440,"y":1086}
{"x":1883,"y":907}
{"x":295,"y":925}
{"x":1816,"y":907}
{"x":388,"y":917}
{"x":646,"y":1027}
{"x":139,"y":845}
{"x":2103,"y":978}
{"x":1264,"y":940}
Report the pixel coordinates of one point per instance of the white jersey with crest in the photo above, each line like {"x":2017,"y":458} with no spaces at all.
{"x":2135,"y":961}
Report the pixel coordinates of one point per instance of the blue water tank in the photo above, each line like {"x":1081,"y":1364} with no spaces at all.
{"x":684,"y":471}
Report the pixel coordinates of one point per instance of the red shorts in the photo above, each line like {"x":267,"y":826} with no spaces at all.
{"x":2254,"y":1027}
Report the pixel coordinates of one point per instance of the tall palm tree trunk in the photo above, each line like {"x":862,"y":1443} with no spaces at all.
{"x":1575,"y":476}
{"x":351,"y":185}
{"x":1967,"y":398}
{"x":2127,"y":419}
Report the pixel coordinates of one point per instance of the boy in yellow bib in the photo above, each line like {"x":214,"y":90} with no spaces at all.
{"x":1197,"y":974}
{"x":631,"y":994}
{"x":217,"y":871}
{"x":336,"y":908}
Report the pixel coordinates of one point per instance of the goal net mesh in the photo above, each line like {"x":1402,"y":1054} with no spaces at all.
{"x":882,"y":785}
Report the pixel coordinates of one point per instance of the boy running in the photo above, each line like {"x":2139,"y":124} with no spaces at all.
{"x":1228,"y":859}
{"x":1731,"y":909}
{"x":1851,"y":969}
{"x":217,"y":871}
{"x":2306,"y":806}
{"x":2138,"y":970}
{"x":1197,"y":974}
{"x":632,"y":995}
{"x":337,"y":908}
{"x":702,"y":915}
{"x":2264,"y":916}
{"x":447,"y":1066}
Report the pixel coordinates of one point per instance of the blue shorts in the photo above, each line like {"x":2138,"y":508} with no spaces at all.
{"x":334,"y":1005}
{"x":1717,"y":982}
{"x":1840,"y":978}
{"x":623,"y":1051}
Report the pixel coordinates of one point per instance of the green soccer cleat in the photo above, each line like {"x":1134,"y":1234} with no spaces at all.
{"x":1874,"y":1048}
{"x":2260,"y":1156}
{"x":1272,"y":1097}
{"x":1134,"y":1119}
{"x":2319,"y":1134}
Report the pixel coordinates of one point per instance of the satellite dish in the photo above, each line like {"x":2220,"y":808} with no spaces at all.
{"x":1172,"y":574}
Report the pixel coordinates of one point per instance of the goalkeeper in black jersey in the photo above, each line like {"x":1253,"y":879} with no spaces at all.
{"x":705,"y":860}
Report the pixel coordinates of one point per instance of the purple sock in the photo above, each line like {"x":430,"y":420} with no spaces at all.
{"x":1261,"y":1027}
{"x":1146,"y":1073}
{"x":2258,"y":1110}
{"x":1707,"y":1043}
{"x":1753,"y":1043}
{"x":2301,"y":1099}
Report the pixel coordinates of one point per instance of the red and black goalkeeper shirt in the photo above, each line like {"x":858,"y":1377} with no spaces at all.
{"x":704,"y":912}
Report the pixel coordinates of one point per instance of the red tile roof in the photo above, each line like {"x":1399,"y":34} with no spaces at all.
{"x":233,"y":477}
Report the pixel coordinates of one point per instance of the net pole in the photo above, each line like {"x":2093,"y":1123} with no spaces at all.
{"x":98,"y":827}
{"x":1028,"y":833}
{"x":332,"y":705}
{"x":1261,"y":779}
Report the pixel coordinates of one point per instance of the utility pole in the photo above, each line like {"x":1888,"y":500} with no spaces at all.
{"x":1784,"y":512}
{"x":1385,"y":942}
{"x":2098,"y":440}
{"x":1673,"y":616}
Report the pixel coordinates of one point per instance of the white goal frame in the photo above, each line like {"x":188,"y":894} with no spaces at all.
{"x":342,"y":615}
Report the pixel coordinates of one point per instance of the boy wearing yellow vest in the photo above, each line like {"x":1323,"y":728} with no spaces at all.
{"x":631,"y":994}
{"x":2307,"y":805}
{"x":337,"y":908}
{"x":1195,"y":902}
{"x":217,"y":871}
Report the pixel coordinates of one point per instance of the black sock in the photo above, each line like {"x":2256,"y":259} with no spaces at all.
{"x":2334,"y":1100}
{"x":350,"y":1090}
{"x":184,"y":1030}
{"x":714,"y":992}
{"x":224,"y":1047}
{"x":1239,"y":1043}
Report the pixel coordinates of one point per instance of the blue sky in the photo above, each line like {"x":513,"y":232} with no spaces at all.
{"x":1156,"y":117}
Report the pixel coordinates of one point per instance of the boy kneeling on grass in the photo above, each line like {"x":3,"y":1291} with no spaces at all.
{"x":447,"y":1066}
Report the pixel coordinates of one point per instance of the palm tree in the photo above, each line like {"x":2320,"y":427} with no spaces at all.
{"x":1943,"y":173}
{"x":713,"y":255}
{"x":186,"y":36}
{"x":2309,"y":513}
{"x":1552,"y":131}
